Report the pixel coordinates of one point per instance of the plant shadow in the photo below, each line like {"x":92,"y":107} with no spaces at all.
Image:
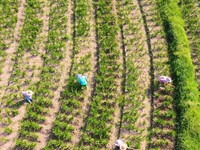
{"x":19,"y":103}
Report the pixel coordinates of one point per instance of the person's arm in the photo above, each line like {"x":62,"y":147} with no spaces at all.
{"x":85,"y":78}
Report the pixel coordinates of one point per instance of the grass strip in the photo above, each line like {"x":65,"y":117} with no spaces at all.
{"x":186,"y":91}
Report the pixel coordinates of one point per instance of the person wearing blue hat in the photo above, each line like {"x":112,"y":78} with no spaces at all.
{"x":82,"y":80}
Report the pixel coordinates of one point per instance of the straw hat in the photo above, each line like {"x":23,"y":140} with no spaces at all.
{"x":118,"y":142}
{"x":29,"y":92}
{"x":123,"y":146}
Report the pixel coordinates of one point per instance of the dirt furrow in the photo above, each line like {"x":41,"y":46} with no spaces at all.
{"x":7,"y":69}
{"x":88,"y":46}
{"x":43,"y":135}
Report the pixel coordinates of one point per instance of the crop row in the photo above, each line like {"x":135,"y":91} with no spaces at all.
{"x":186,"y":91}
{"x":73,"y":96}
{"x":31,"y":28}
{"x":49,"y":78}
{"x":191,"y":15}
{"x":102,"y":106}
{"x":135,"y":102}
{"x":8,"y":19}
{"x":162,"y":128}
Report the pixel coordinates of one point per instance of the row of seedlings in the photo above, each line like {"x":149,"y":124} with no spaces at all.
{"x":162,"y":133}
{"x":73,"y":96}
{"x":136,"y":103}
{"x":186,"y":94}
{"x":191,"y":15}
{"x":12,"y":99}
{"x":49,"y":78}
{"x":98,"y":123}
{"x":8,"y":20}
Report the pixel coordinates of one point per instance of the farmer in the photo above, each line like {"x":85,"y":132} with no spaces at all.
{"x":164,"y":79}
{"x":120,"y":145}
{"x":82,"y":80}
{"x":28,"y":95}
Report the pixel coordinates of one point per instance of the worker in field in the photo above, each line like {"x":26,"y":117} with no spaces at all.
{"x":27,"y":95}
{"x":82,"y":80}
{"x":164,"y":79}
{"x":120,"y":145}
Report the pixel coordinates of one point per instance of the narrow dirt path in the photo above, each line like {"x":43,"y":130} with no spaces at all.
{"x":8,"y":67}
{"x":64,"y":67}
{"x":136,"y":108}
{"x":30,"y":64}
{"x":88,"y":46}
{"x":117,"y":114}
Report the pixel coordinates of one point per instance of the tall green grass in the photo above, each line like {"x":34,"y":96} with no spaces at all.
{"x":186,"y":91}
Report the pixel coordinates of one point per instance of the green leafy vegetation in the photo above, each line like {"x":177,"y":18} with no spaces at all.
{"x":102,"y":107}
{"x":134,"y":42}
{"x":186,"y":91}
{"x":191,"y":15}
{"x":8,"y":20}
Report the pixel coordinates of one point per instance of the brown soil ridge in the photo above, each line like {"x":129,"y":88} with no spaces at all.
{"x":43,"y":135}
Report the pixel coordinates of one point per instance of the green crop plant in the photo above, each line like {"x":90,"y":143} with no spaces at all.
{"x":25,"y":144}
{"x":28,"y":135}
{"x":186,"y":91}
{"x":8,"y":130}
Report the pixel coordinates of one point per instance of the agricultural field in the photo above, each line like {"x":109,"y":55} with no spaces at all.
{"x":122,"y":46}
